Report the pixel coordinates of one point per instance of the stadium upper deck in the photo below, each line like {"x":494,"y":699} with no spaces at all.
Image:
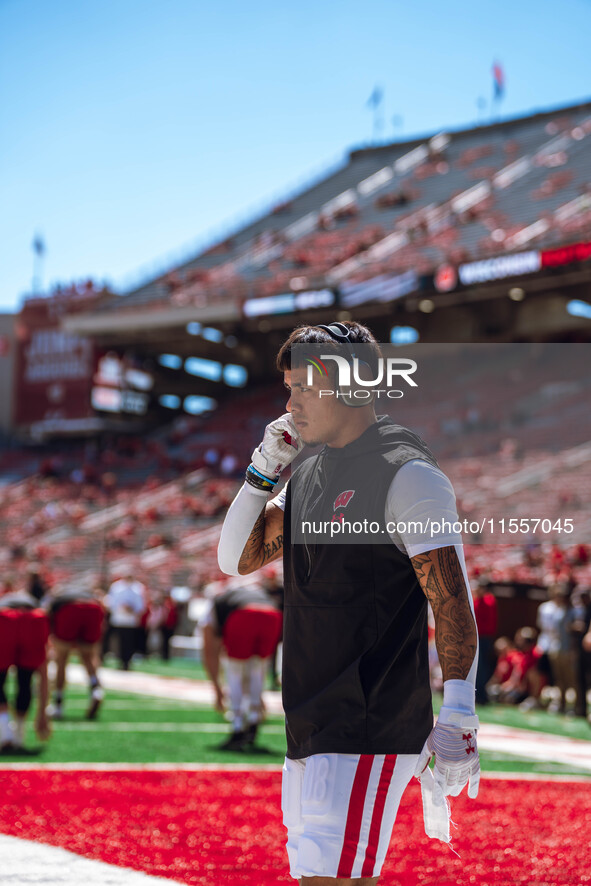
{"x":452,"y":198}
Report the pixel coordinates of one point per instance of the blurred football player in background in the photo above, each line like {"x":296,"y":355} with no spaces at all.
{"x":24,"y":631}
{"x":77,"y":620}
{"x":245,"y":625}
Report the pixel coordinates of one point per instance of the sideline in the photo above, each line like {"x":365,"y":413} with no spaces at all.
{"x":249,"y":767}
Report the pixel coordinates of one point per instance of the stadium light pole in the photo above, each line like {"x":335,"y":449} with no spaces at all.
{"x":38,"y":246}
{"x":376,"y":101}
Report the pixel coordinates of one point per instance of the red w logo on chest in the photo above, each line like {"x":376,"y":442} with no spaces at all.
{"x":343,"y":499}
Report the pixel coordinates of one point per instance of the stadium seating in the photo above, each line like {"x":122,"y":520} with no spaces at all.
{"x":158,"y":500}
{"x":454,"y":197}
{"x":457,"y":196}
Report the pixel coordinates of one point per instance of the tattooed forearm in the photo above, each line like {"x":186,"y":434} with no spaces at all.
{"x":272,"y":547}
{"x":265,"y":542}
{"x":455,"y":637}
{"x":439,"y":573}
{"x":252,"y":549}
{"x":441,"y":578}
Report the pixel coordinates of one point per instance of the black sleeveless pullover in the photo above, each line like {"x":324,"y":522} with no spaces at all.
{"x":355,"y":666}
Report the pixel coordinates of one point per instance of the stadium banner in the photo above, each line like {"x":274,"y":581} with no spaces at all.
{"x":53,"y":368}
{"x":288,"y":302}
{"x":383,"y":288}
{"x":516,"y":264}
{"x":566,"y":255}
{"x":490,"y":269}
{"x":505,"y":422}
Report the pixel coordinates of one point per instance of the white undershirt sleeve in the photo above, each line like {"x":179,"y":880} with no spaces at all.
{"x":240,"y":519}
{"x":421,"y":509}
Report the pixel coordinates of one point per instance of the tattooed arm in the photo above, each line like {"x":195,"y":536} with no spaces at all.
{"x":441,"y":578}
{"x":452,"y":741}
{"x":265,"y":542}
{"x":252,"y":534}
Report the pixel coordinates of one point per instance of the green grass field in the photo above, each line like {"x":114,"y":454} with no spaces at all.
{"x":540,"y":721}
{"x":138,"y":729}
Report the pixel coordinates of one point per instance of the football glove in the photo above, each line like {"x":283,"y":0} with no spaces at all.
{"x":452,"y":742}
{"x":281,"y":443}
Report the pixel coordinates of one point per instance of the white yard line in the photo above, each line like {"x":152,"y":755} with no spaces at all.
{"x":540,"y":746}
{"x":172,"y":688}
{"x":137,"y":703}
{"x":26,"y":862}
{"x":146,"y":767}
{"x":250,"y":767}
{"x":98,"y":726}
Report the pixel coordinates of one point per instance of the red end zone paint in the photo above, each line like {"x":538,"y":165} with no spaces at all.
{"x":225,"y":827}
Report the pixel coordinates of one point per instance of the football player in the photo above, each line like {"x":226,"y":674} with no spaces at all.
{"x":245,"y":624}
{"x":356,"y":690}
{"x":77,"y":620}
{"x":24,"y":631}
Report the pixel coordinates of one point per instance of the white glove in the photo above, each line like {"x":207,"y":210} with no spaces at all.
{"x":281,"y":443}
{"x":453,"y":743}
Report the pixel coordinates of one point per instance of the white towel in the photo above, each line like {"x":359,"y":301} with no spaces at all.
{"x":436,"y":818}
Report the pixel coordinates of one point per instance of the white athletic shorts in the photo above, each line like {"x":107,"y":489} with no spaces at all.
{"x":339,"y":811}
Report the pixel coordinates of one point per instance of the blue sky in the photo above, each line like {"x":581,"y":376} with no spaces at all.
{"x":131,"y":130}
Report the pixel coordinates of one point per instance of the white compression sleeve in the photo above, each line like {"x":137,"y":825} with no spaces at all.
{"x":241,"y":517}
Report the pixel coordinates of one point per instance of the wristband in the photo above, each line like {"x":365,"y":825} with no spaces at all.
{"x":459,"y":694}
{"x":458,"y":705}
{"x":258,"y":480}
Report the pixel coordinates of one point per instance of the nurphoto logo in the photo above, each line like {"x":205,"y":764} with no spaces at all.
{"x":353,"y":374}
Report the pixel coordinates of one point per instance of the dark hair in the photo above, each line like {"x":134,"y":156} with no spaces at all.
{"x":312,"y":335}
